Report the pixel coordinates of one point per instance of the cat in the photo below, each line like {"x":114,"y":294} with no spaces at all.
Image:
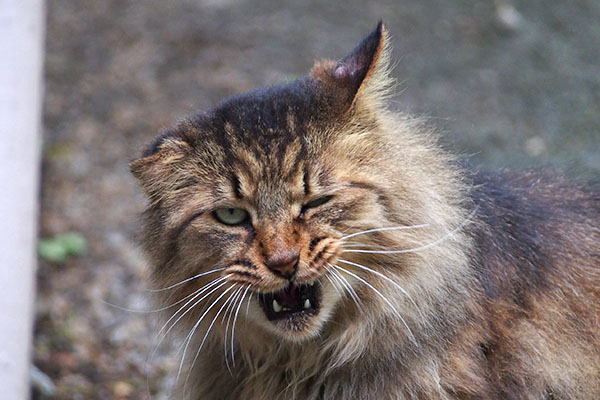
{"x":310,"y":243}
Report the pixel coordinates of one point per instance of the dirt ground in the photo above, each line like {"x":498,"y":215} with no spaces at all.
{"x":512,"y":84}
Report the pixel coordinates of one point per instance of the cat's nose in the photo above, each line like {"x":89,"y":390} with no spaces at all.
{"x":283,"y":263}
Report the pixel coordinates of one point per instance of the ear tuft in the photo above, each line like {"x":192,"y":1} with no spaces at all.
{"x":365,"y":66}
{"x":165,"y":150}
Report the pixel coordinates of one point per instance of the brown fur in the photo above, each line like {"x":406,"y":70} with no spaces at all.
{"x":496,"y":295}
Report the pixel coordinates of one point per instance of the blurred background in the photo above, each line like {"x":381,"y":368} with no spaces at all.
{"x":508,"y":83}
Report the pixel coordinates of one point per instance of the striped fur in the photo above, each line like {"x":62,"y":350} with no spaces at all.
{"x":500,"y":299}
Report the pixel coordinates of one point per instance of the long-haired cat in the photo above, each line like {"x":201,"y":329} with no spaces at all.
{"x":311,"y":244}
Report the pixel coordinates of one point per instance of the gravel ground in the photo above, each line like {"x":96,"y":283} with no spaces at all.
{"x":510,"y":83}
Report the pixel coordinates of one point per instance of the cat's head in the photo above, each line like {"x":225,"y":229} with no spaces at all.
{"x":259,"y":198}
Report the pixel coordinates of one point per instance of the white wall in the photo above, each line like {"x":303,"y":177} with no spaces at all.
{"x":21,"y":54}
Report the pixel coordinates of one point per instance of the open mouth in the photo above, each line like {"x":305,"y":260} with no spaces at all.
{"x":291,"y":302}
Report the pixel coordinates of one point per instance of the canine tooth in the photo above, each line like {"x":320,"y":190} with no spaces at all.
{"x":306,"y":304}
{"x":276,"y":306}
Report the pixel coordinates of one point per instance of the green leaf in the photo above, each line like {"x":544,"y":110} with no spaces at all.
{"x":59,"y":248}
{"x":74,"y":243}
{"x":51,"y":250}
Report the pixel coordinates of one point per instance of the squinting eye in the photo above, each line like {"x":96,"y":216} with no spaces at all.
{"x":316,"y":203}
{"x":231,"y":216}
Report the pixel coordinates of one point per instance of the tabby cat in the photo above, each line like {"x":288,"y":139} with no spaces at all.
{"x":309,"y":243}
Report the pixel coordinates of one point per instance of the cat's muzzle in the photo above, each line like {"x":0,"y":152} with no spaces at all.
{"x":292,"y":302}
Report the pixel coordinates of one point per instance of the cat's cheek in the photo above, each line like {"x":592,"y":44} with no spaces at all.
{"x":255,"y":315}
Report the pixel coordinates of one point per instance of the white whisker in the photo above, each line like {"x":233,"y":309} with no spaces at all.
{"x":248,"y":306}
{"x":200,"y":291}
{"x":218,"y":281}
{"x":358,"y":244}
{"x":229,"y":311}
{"x":350,"y":289}
{"x":158,"y":309}
{"x":425,"y":247}
{"x":231,"y":300}
{"x":337,"y":290}
{"x":383,"y":298}
{"x":391,"y":228}
{"x":345,"y":284}
{"x":352,"y":242}
{"x":230,"y":306}
{"x":387,"y":279}
{"x":185,"y":280}
{"x":234,"y":321}
{"x":161,"y":339}
{"x":191,"y":334}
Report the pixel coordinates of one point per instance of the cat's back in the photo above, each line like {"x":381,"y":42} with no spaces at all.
{"x":537,"y":255}
{"x":539,"y":222}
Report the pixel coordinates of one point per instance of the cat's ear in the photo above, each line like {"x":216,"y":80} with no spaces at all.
{"x":158,"y":162}
{"x":362,"y":76}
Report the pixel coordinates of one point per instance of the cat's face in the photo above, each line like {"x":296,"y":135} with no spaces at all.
{"x":270,"y":210}
{"x":273,"y":220}
{"x":257,"y":196}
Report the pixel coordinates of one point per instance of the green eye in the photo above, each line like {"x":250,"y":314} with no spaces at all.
{"x":316,"y":203}
{"x":231,"y":216}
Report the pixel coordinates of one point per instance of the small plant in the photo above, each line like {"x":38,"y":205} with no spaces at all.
{"x":59,"y":248}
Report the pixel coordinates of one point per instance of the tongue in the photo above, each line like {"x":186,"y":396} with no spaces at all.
{"x":289,"y":297}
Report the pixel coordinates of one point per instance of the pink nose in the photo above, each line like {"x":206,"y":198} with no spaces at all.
{"x":283,"y":263}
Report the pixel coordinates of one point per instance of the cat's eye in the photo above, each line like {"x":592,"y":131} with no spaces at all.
{"x":231,"y":216}
{"x":315,"y":203}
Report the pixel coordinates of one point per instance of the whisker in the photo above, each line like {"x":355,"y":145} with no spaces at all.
{"x":357,"y":244}
{"x":191,"y":334}
{"x":185,"y":280}
{"x":332,"y":283}
{"x":230,"y":305}
{"x":199,"y":292}
{"x":345,"y":284}
{"x":161,"y":339}
{"x":231,"y":300}
{"x":248,"y":306}
{"x":382,"y":297}
{"x":158,"y":309}
{"x":427,"y":246}
{"x":391,"y":228}
{"x":229,"y":311}
{"x":195,"y":294}
{"x":353,"y":293}
{"x":234,"y":321}
{"x":396,"y":285}
{"x":352,"y":242}
{"x":205,"y":288}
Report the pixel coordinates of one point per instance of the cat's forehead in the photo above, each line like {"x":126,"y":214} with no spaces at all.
{"x":268,"y":119}
{"x":262,"y":143}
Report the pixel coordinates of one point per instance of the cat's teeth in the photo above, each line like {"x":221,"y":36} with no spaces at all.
{"x":306,"y":304}
{"x":276,"y":306}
